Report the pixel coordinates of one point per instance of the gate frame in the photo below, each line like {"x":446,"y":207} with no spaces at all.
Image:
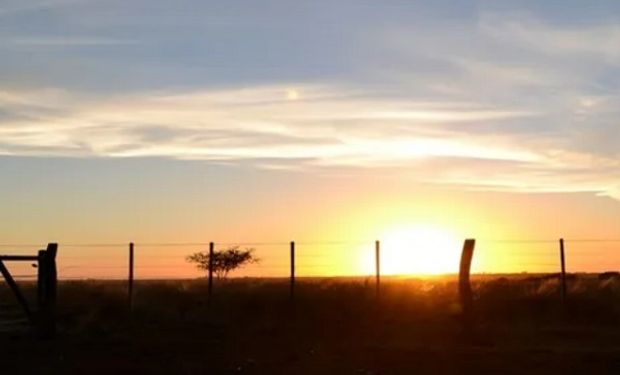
{"x":44,"y":319}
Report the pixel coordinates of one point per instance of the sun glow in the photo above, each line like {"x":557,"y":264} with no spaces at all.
{"x":418,"y":249}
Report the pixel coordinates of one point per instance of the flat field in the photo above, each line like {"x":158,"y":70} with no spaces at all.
{"x":334,"y":326}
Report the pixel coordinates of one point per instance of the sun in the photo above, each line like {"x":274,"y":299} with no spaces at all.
{"x":292,"y":94}
{"x":419,"y":249}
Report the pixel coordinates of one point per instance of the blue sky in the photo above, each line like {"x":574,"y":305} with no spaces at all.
{"x":503,"y":97}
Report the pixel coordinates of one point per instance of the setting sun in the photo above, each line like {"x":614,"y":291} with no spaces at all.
{"x":417,"y":249}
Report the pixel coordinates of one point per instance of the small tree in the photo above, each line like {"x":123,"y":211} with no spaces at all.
{"x":224,"y":261}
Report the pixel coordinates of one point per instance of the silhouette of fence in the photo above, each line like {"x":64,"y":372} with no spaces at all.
{"x":43,"y":318}
{"x":320,"y":258}
{"x":293,"y":260}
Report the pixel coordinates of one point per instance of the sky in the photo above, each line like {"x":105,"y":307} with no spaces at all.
{"x":264,"y":122}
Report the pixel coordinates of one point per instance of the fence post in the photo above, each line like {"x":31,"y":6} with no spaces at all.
{"x":130,"y":280}
{"x":292,"y":284}
{"x":465,"y":293}
{"x":46,"y":291}
{"x":211,"y":256}
{"x":378,"y":267}
{"x":563,"y":270}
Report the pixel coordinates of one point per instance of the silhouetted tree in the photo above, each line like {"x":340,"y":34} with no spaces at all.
{"x":224,"y":261}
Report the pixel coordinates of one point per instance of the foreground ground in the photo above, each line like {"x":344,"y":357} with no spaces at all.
{"x":333,"y":326}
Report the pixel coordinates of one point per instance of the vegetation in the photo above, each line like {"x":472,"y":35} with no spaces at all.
{"x":224,"y":261}
{"x":334,"y":326}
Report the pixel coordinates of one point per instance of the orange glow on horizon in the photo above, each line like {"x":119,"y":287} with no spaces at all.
{"x":418,"y":249}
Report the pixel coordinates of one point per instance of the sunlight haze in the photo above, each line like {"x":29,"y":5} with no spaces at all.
{"x":332,"y":124}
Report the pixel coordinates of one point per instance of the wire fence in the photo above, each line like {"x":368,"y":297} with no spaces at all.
{"x":323,"y":258}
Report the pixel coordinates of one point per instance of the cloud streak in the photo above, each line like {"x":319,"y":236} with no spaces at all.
{"x":322,"y":127}
{"x":65,"y":41}
{"x":509,"y":100}
{"x":17,"y":7}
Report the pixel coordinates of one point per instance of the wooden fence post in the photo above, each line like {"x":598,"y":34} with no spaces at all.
{"x":465,"y":292}
{"x":563,"y":270}
{"x":130,"y":280}
{"x":46,"y":291}
{"x":292,"y":281}
{"x":211,"y":260}
{"x":378,"y":268}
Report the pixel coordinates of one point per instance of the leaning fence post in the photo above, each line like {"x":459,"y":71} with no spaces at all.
{"x":130,"y":280}
{"x":292,"y":280}
{"x":211,"y":261}
{"x":465,"y":292}
{"x":378,"y":268}
{"x":563,"y":270}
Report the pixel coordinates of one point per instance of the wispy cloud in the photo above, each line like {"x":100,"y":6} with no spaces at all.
{"x":509,"y":100}
{"x":526,"y":31}
{"x":45,"y":40}
{"x":17,"y":7}
{"x":320,"y":127}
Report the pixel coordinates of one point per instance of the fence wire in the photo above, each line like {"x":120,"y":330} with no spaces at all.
{"x":163,"y":260}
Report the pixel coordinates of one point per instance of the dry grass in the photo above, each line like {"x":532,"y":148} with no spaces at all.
{"x":334,"y":326}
